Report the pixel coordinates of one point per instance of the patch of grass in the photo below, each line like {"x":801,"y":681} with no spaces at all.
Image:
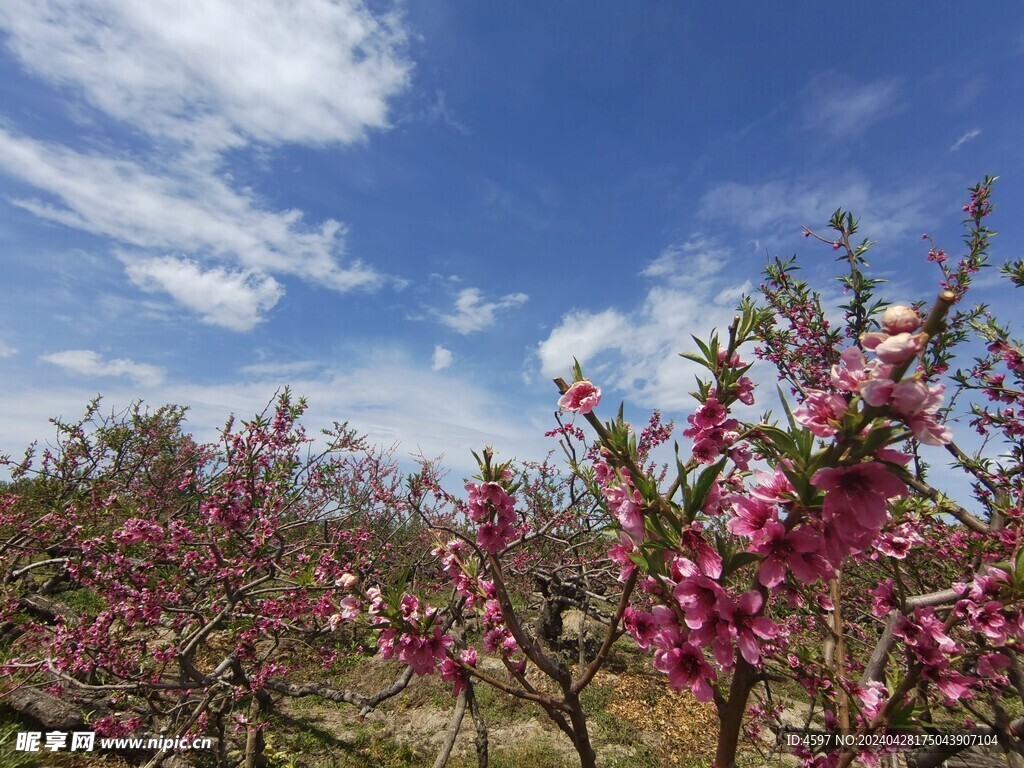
{"x":532,"y":754}
{"x":430,"y":691}
{"x":371,"y":749}
{"x":500,"y":708}
{"x":595,"y":699}
{"x":307,"y":704}
{"x":306,"y":746}
{"x":9,"y":758}
{"x":84,"y":601}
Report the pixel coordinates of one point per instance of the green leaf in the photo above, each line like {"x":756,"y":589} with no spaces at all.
{"x":704,"y":348}
{"x":701,"y":488}
{"x":737,"y":561}
{"x":1018,"y":569}
{"x":577,"y":371}
{"x":785,"y":406}
{"x":876,"y":439}
{"x":782,"y":441}
{"x":697,"y":359}
{"x":902,"y":716}
{"x":638,"y":559}
{"x":657,"y":524}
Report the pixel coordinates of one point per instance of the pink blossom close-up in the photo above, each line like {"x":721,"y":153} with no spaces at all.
{"x":894,"y":349}
{"x":582,"y":397}
{"x":858,"y":493}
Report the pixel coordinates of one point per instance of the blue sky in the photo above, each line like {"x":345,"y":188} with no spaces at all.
{"x":417,"y":214}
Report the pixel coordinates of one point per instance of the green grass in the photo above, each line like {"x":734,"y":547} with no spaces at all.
{"x":84,"y":601}
{"x":370,"y":749}
{"x":500,"y":709}
{"x":8,"y":757}
{"x":601,"y":723}
{"x":295,"y":744}
{"x":532,"y":755}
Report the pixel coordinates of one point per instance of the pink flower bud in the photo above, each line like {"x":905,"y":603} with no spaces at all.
{"x":900,"y":319}
{"x":347,"y":580}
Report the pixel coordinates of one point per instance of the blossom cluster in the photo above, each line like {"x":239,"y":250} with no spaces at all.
{"x":913,"y":400}
{"x":695,"y":613}
{"x":409,"y":633}
{"x":494,"y":510}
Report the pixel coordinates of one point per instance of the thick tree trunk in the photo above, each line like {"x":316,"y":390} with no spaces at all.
{"x":52,"y":713}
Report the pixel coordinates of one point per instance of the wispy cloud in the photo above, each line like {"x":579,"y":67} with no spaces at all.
{"x":219,"y":74}
{"x":685,"y":263}
{"x":473,"y":314}
{"x":782,"y":207}
{"x":6,"y":350}
{"x":438,"y":111}
{"x":236,"y":300}
{"x":273,"y":370}
{"x":86,"y":362}
{"x":971,"y":134}
{"x":837,"y":106}
{"x":198,"y":84}
{"x":441,"y":359}
{"x":194,"y":213}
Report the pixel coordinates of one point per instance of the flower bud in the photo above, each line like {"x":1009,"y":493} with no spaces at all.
{"x":347,"y":580}
{"x":900,"y":319}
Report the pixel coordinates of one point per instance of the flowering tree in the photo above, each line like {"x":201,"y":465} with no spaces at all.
{"x":171,"y":585}
{"x":527,"y":530}
{"x":742,"y":570}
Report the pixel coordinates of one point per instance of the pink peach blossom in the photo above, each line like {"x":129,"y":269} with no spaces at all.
{"x":686,"y":668}
{"x":581,"y":397}
{"x":894,"y":349}
{"x":821,"y":412}
{"x":858,"y":493}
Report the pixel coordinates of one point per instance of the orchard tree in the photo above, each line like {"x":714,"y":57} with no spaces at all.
{"x":845,"y":492}
{"x":167,"y":585}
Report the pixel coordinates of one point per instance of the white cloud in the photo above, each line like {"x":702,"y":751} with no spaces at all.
{"x":6,"y":350}
{"x":636,"y":352}
{"x":783,"y":207}
{"x":971,"y":134}
{"x":216,"y":71}
{"x":200,"y":78}
{"x":441,"y":359}
{"x":197,"y":214}
{"x":235,"y":300}
{"x":839,"y":107}
{"x":438,"y":111}
{"x":697,"y":259}
{"x":89,"y":363}
{"x":733,"y":293}
{"x":582,"y":334}
{"x":473,"y":314}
